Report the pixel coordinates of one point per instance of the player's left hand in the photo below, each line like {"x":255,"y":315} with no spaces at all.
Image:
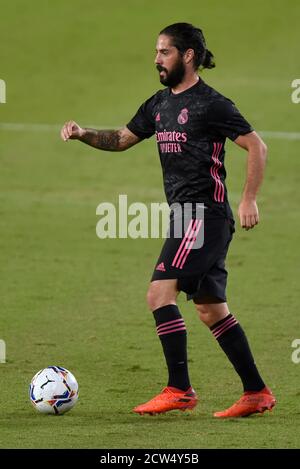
{"x":248,"y":213}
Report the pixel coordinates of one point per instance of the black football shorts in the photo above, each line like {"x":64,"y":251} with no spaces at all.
{"x":200,"y":272}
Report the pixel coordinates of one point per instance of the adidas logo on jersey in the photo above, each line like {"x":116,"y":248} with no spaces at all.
{"x":161,"y":267}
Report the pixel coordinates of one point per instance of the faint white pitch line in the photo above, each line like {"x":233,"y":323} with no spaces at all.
{"x":280,"y":135}
{"x":20,"y":127}
{"x":26,"y":127}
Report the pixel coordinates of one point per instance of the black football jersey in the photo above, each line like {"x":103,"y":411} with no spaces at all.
{"x":190,"y":130}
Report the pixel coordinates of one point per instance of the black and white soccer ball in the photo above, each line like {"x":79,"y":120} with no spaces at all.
{"x":53,"y":390}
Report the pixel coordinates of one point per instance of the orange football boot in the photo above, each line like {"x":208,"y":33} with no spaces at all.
{"x":169,"y":399}
{"x":251,"y":402}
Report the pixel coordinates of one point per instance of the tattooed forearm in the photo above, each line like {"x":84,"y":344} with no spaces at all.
{"x":103,"y":139}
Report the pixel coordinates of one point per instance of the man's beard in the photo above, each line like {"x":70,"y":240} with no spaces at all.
{"x":172,"y":77}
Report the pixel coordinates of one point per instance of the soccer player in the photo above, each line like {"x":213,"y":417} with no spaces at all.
{"x":191,"y":122}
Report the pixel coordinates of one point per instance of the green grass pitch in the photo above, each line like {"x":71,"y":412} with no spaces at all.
{"x":70,"y":299}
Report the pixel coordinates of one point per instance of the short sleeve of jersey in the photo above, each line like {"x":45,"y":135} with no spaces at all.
{"x":143,"y":123}
{"x":224,"y":118}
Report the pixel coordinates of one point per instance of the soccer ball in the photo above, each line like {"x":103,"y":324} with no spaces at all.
{"x":53,"y":390}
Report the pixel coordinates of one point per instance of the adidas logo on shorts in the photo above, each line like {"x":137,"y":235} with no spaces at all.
{"x":161,"y":267}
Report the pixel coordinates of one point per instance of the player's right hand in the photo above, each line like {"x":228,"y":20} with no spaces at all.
{"x":71,"y":130}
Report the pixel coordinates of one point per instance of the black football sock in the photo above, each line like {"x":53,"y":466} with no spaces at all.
{"x":171,"y":330}
{"x":233,"y":341}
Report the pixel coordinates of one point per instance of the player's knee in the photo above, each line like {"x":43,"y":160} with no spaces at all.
{"x":150,"y":297}
{"x":154,"y":298}
{"x":204,"y":313}
{"x":210,"y":314}
{"x":157,"y":296}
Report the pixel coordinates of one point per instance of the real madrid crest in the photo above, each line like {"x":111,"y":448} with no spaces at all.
{"x":183,"y":116}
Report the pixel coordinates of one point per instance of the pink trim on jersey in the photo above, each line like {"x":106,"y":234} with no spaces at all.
{"x":219,"y":186}
{"x":199,"y":223}
{"x":214,"y":170}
